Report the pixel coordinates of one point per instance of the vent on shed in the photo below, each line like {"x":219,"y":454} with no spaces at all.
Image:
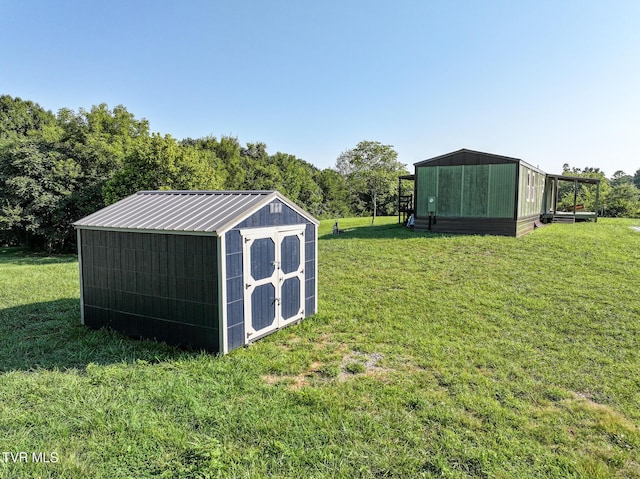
{"x":275,"y":208}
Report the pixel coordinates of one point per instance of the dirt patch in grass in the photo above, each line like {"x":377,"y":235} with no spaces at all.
{"x":360,"y":363}
{"x":295,"y":382}
{"x":606,"y":417}
{"x":352,"y":364}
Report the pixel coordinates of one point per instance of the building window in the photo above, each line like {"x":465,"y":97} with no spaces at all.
{"x":275,"y":208}
{"x":533,"y":187}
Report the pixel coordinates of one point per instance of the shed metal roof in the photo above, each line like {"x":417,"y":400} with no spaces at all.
{"x":486,"y":157}
{"x":579,"y":179}
{"x":188,"y":211}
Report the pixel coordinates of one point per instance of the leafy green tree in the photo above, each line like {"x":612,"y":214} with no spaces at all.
{"x":296,"y":181}
{"x":19,"y":118}
{"x":636,"y":178}
{"x":623,"y":200}
{"x":586,"y":194}
{"x":36,"y":186}
{"x":225,"y":157}
{"x":160,"y":163}
{"x":335,"y":194}
{"x":228,"y":150}
{"x":98,"y":140}
{"x":619,"y":197}
{"x":620,"y":178}
{"x":260,"y":172}
{"x":371,"y":170}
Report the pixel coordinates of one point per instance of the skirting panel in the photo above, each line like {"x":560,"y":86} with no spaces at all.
{"x":482,"y":226}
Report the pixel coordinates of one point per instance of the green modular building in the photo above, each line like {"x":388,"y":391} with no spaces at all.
{"x":473,"y":192}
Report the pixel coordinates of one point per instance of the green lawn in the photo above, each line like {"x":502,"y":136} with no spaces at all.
{"x":431,"y":356}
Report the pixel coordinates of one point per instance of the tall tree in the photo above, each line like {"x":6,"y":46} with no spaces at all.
{"x":335,"y":194}
{"x":623,"y":200}
{"x":586,"y":194}
{"x":160,"y":163}
{"x":371,"y":169}
{"x":296,"y":181}
{"x":636,"y":178}
{"x":36,"y":187}
{"x":227,"y":151}
{"x":620,"y":178}
{"x":20,"y":118}
{"x":98,"y":140}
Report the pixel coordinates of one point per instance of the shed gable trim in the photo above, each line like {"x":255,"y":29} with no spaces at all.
{"x":502,"y":158}
{"x":255,"y":208}
{"x":213,"y":212}
{"x":491,"y":158}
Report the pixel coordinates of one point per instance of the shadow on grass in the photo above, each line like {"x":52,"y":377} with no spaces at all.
{"x":385,"y":231}
{"x":49,"y":336}
{"x":19,"y":255}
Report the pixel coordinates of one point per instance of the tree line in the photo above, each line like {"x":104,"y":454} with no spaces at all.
{"x":619,"y":196}
{"x":58,"y":168}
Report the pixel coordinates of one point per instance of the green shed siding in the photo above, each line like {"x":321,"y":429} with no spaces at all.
{"x":530,"y":194}
{"x":502,"y":191}
{"x":474,"y":191}
{"x":478,"y":193}
{"x":427,"y":185}
{"x":469,"y":191}
{"x":152,"y":285}
{"x":449,"y":195}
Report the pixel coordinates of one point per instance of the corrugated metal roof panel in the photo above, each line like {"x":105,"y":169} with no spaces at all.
{"x":195,"y":211}
{"x":472,"y":157}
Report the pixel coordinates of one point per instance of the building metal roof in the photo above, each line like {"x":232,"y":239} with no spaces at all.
{"x":465,"y":150}
{"x":189,"y":211}
{"x":579,"y":179}
{"x":486,"y":156}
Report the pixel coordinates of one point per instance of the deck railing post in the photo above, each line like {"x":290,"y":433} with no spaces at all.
{"x":575,"y":196}
{"x":596,"y":206}
{"x":399,"y":196}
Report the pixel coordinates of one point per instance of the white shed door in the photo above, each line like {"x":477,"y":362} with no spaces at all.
{"x":273,"y":271}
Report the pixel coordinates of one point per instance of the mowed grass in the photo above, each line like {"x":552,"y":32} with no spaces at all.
{"x":431,"y":356}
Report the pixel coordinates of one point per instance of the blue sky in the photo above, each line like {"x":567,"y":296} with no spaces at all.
{"x":550,"y":82}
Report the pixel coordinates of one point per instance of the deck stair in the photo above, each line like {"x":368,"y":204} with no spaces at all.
{"x":566,"y":219}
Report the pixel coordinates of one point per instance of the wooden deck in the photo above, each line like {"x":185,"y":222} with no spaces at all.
{"x":569,"y":216}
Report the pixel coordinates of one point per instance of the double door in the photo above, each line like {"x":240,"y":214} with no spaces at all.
{"x":273,"y":271}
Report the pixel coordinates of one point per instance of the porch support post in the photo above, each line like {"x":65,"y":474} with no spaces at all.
{"x":597,"y":199}
{"x":399,"y":196}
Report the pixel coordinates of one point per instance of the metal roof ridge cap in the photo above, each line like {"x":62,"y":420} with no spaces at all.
{"x":467,"y":150}
{"x":225,"y":210}
{"x":203,"y":192}
{"x":250,"y":206}
{"x":194,"y":218}
{"x":174,"y":216}
{"x":223,"y":228}
{"x":441,"y":156}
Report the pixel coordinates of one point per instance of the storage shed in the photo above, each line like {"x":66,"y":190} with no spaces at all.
{"x":206,"y":269}
{"x":479,"y":193}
